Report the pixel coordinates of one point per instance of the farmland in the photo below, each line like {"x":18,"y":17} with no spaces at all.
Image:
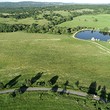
{"x":48,"y":101}
{"x":38,"y":49}
{"x":70,"y":59}
{"x":96,"y":21}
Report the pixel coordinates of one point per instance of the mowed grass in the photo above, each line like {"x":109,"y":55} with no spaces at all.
{"x":48,"y":101}
{"x":103,"y":20}
{"x":26,"y":54}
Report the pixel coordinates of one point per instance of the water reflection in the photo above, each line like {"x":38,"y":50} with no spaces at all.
{"x":93,"y":35}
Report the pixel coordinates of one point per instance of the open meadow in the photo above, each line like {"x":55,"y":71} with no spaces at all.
{"x":26,"y":54}
{"x":48,"y":101}
{"x":40,"y":55}
{"x":98,"y":21}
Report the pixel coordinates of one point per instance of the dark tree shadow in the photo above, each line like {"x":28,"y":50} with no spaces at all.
{"x":53,"y":80}
{"x":103,"y":94}
{"x":13,"y":94}
{"x":77,"y":83}
{"x":65,"y":87}
{"x":66,"y":83}
{"x":22,"y":89}
{"x":12,"y":82}
{"x":35,"y":78}
{"x":55,"y":88}
{"x":92,"y":88}
{"x":63,"y":91}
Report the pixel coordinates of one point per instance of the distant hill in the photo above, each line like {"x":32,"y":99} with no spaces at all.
{"x":28,"y":4}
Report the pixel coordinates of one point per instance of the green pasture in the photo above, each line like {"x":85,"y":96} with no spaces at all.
{"x":63,"y":13}
{"x":26,"y":54}
{"x":95,"y":21}
{"x":48,"y":101}
{"x":23,"y":21}
{"x":15,"y":21}
{"x":42,"y":22}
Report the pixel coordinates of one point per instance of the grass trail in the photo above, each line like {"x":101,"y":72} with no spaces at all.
{"x":103,"y":48}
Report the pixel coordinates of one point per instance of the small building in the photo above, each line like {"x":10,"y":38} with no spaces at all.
{"x":93,"y":39}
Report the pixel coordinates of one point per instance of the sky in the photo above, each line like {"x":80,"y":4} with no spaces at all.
{"x":73,"y":1}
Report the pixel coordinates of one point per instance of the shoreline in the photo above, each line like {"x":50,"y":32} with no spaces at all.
{"x":80,"y":31}
{"x":103,"y":48}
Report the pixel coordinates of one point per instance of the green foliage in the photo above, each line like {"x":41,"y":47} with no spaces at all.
{"x":13,"y":28}
{"x":105,"y":29}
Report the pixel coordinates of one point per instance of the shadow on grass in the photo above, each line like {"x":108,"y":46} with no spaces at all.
{"x":36,"y":77}
{"x":13,"y":94}
{"x":22,"y":89}
{"x":53,"y":80}
{"x":12,"y":82}
{"x":55,"y":88}
{"x":65,"y":87}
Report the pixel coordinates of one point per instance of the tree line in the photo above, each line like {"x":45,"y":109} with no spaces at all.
{"x":12,"y":27}
{"x":35,"y":28}
{"x":93,"y":88}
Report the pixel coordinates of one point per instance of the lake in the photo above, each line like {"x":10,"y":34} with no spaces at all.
{"x":93,"y":35}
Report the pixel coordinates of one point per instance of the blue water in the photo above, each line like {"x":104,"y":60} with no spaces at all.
{"x":88,"y":35}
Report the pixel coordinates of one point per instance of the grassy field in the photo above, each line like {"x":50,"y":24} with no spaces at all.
{"x":15,"y":21}
{"x":23,"y":21}
{"x":48,"y":101}
{"x":27,"y":54}
{"x":24,"y":55}
{"x":96,"y":21}
{"x":63,"y":13}
{"x":42,"y":22}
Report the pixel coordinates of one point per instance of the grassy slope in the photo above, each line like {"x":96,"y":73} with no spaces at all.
{"x":88,"y":20}
{"x":42,"y":22}
{"x":70,"y":59}
{"x":14,"y":21}
{"x":23,"y":21}
{"x":49,"y":101}
{"x":63,"y":13}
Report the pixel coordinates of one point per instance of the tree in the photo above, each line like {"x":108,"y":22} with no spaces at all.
{"x":99,"y":87}
{"x":108,"y":98}
{"x":105,"y":30}
{"x":92,"y":88}
{"x":77,"y":83}
{"x":1,"y":85}
{"x":103,"y":94}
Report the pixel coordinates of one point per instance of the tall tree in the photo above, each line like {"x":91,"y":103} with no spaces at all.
{"x":92,"y":88}
{"x":103,"y":94}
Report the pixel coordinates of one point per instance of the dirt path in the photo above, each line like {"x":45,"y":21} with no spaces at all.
{"x":83,"y":94}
